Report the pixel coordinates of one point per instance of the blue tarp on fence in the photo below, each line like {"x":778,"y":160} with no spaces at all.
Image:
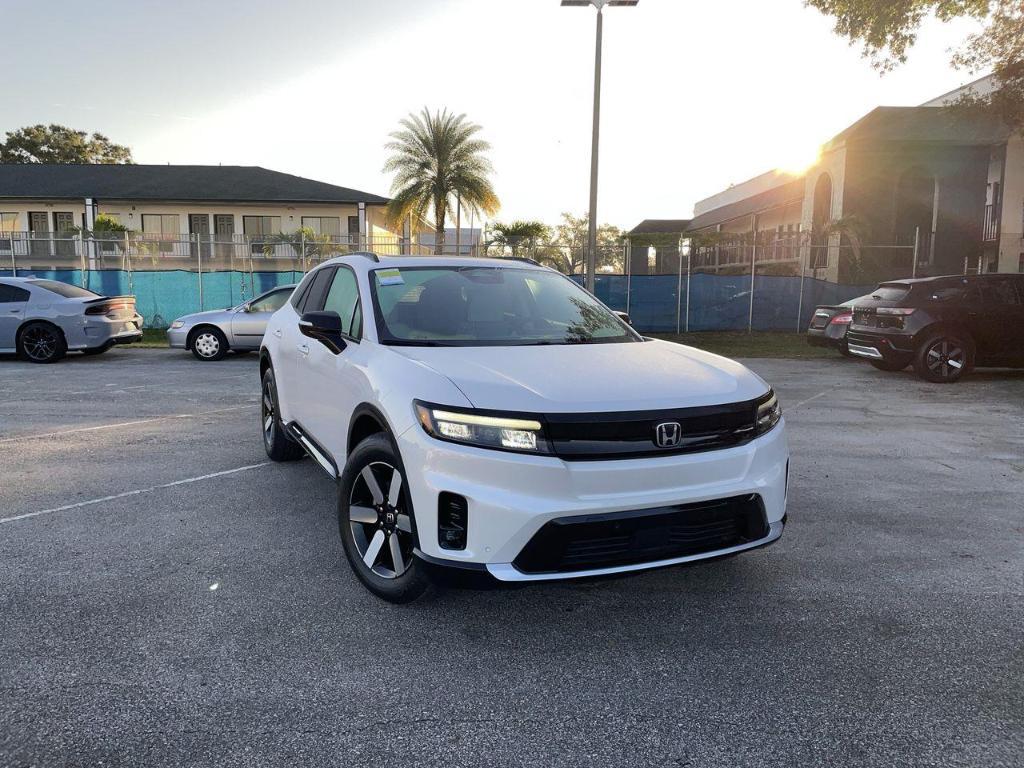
{"x":656,"y":302}
{"x":720,"y":302}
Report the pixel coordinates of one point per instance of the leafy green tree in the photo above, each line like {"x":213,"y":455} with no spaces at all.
{"x":517,"y":235}
{"x":887,"y":30}
{"x":317,"y":246}
{"x":565,"y":249}
{"x":436,"y":158}
{"x":57,"y":144}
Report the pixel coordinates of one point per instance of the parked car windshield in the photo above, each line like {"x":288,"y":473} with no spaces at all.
{"x":487,"y":306}
{"x":65,"y":290}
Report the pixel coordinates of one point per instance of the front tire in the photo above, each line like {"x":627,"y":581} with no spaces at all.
{"x":209,"y":344}
{"x":944,"y":357}
{"x":376,"y":523}
{"x":41,"y":343}
{"x":276,"y":442}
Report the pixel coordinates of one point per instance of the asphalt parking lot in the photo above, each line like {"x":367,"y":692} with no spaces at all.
{"x":168,"y":598}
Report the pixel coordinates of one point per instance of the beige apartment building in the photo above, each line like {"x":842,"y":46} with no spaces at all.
{"x":42,"y":207}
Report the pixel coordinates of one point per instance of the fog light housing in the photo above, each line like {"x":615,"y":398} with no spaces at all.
{"x":452,"y":520}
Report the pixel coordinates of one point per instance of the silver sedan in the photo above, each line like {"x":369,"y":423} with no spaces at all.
{"x":209,"y":335}
{"x":42,"y":320}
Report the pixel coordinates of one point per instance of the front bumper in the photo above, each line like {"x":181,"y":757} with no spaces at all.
{"x":511,"y":496}
{"x":178,"y":337}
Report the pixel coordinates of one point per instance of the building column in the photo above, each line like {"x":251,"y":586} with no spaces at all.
{"x":364,"y":233}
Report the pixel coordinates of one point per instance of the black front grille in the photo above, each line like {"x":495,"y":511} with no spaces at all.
{"x":626,"y":434}
{"x":586,"y":542}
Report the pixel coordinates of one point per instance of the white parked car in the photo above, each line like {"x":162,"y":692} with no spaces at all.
{"x":491,"y":415}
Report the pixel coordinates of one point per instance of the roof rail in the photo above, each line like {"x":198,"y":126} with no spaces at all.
{"x":367,"y":254}
{"x":524,"y":259}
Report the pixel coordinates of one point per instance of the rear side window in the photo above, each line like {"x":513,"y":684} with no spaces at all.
{"x":10,"y":294}
{"x":1001,"y":291}
{"x":313,"y":301}
{"x":64,"y":289}
{"x":890,"y":292}
{"x":952,"y":292}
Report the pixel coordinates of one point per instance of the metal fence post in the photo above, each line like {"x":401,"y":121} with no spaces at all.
{"x":128,"y":262}
{"x":14,"y":260}
{"x":81,"y":250}
{"x":679,"y":283}
{"x":629,"y":271}
{"x":753,"y":265}
{"x":689,"y":273}
{"x":303,"y":238}
{"x":800,"y":299}
{"x":917,"y":243}
{"x":199,"y":265}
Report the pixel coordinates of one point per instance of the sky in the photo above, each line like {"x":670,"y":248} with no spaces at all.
{"x":696,"y":95}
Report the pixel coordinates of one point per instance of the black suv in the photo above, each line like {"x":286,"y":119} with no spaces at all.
{"x":944,"y":326}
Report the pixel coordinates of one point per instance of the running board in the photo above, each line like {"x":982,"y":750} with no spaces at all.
{"x":318,"y":454}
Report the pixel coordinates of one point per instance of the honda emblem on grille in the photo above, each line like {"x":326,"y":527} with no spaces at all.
{"x":668,"y":434}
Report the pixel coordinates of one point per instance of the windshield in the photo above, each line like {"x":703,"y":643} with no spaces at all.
{"x":488,"y":306}
{"x":65,"y":290}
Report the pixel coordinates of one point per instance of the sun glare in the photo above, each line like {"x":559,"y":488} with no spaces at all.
{"x":798,"y":160}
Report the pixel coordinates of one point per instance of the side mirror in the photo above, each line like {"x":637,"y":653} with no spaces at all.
{"x":325,"y":327}
{"x":247,"y":307}
{"x":623,"y":316}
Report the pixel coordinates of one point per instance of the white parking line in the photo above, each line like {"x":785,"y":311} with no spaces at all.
{"x":136,"y":492}
{"x":124,"y":424}
{"x":809,"y":399}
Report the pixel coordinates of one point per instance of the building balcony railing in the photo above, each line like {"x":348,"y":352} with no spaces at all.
{"x":990,"y":228}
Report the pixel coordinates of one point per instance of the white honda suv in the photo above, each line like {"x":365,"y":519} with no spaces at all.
{"x":489,"y":414}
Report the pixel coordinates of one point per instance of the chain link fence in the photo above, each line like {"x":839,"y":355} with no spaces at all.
{"x":738,"y":286}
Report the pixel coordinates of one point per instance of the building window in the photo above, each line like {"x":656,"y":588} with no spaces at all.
{"x":258,"y":229}
{"x":8,"y":222}
{"x":353,"y":230}
{"x":165,"y":227}
{"x":323,"y":225}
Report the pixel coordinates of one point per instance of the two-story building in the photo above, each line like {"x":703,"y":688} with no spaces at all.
{"x":944,"y":184}
{"x":189,"y":211}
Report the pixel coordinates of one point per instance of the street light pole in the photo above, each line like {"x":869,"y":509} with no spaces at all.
{"x":591,"y":254}
{"x":595,"y":141}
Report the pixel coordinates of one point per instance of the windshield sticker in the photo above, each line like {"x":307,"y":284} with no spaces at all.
{"x":389,"y":277}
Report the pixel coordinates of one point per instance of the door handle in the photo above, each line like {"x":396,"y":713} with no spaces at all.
{"x":303,"y":349}
{"x":277,"y":333}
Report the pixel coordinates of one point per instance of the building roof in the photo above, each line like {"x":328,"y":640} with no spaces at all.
{"x":785,"y":194}
{"x":222,"y":183}
{"x":660,"y":227}
{"x":933,"y":124}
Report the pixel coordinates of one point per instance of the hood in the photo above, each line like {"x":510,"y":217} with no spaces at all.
{"x":590,"y":377}
{"x":208,"y":315}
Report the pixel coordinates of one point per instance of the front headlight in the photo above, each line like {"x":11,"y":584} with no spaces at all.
{"x":484,"y":429}
{"x":177,"y":324}
{"x":768,"y":413}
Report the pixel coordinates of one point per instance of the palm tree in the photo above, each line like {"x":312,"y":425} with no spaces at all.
{"x":436,"y":157}
{"x":518,"y":234}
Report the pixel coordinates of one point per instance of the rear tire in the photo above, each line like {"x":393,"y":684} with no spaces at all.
{"x":376,"y":522}
{"x":208,"y":344}
{"x":944,"y":357}
{"x":844,"y":349}
{"x":276,"y":441}
{"x":892,"y":363}
{"x":41,"y":343}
